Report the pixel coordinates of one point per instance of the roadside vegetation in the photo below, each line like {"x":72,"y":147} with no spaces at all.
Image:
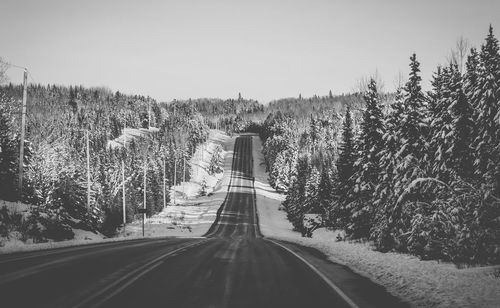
{"x":55,"y":167}
{"x":412,"y":171}
{"x":415,"y":172}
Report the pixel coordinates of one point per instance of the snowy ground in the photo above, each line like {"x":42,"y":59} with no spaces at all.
{"x":192,"y":215}
{"x":13,"y":242}
{"x":129,"y":134}
{"x":421,"y":283}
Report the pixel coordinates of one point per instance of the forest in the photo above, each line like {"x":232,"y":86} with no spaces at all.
{"x":68,"y":125}
{"x":415,"y":172}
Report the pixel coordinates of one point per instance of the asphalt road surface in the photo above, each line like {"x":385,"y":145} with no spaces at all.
{"x":232,"y":266}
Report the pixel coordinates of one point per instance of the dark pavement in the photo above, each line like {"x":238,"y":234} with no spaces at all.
{"x":234,"y":266}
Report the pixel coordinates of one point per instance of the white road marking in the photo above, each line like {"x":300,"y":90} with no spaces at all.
{"x":131,"y":277}
{"x":320,"y":274}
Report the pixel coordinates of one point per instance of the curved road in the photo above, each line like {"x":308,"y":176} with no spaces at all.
{"x":232,"y":266}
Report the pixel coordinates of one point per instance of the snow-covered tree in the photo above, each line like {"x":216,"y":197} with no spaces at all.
{"x":295,"y":203}
{"x":345,"y":162}
{"x":487,"y":113}
{"x":9,"y":151}
{"x":367,"y":166}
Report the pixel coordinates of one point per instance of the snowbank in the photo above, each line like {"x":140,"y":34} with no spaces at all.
{"x":13,"y":242}
{"x":192,"y":215}
{"x":422,"y":283}
{"x":129,"y":134}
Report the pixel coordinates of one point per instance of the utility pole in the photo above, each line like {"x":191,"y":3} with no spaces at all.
{"x":123,"y":173}
{"x":144,"y":207}
{"x":175,"y":173}
{"x":23,"y":124}
{"x":149,"y":113}
{"x":184,"y":176}
{"x":88,"y":169}
{"x":164,"y":184}
{"x":123,"y":197}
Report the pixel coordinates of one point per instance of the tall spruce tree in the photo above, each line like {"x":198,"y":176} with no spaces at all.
{"x":345,"y":162}
{"x":440,"y":114}
{"x":487,"y":113}
{"x":324,"y":198}
{"x":403,"y":159}
{"x":367,"y":166}
{"x":343,"y":179}
{"x":462,"y":128}
{"x":295,"y":202}
{"x":8,"y":156}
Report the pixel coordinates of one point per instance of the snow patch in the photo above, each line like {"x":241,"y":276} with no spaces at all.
{"x":129,"y":134}
{"x":192,"y":214}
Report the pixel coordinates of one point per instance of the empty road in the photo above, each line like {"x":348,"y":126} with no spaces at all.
{"x":231,"y":266}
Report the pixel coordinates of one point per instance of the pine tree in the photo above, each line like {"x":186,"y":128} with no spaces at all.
{"x":295,"y":202}
{"x":339,"y":214}
{"x":440,"y":101}
{"x":324,"y":197}
{"x":8,"y":157}
{"x":367,"y":166}
{"x":462,"y":128}
{"x":369,"y":142}
{"x":345,"y":163}
{"x":311,"y":189}
{"x":403,"y":159}
{"x":487,"y":113}
{"x":413,"y":122}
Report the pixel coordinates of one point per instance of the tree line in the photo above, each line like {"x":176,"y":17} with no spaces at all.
{"x":55,"y":183}
{"x":417,"y":173}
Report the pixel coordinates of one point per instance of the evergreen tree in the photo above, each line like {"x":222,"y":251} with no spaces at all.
{"x":402,"y":159}
{"x":8,"y":157}
{"x":440,"y":101}
{"x":295,"y":202}
{"x":487,"y":113}
{"x":324,"y":196}
{"x":367,"y":166}
{"x":462,"y":129}
{"x":339,"y":214}
{"x":345,"y":162}
{"x":369,"y":142}
{"x":311,"y":189}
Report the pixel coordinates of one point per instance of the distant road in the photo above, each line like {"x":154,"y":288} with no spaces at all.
{"x":232,"y":266}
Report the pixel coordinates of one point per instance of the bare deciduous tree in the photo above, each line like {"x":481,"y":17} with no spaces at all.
{"x":4,"y":65}
{"x":362,"y":83}
{"x":459,"y":53}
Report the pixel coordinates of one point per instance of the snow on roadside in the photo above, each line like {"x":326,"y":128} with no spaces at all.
{"x":129,"y":134}
{"x":192,"y":215}
{"x":13,"y":243}
{"x":199,"y":165}
{"x":421,"y":283}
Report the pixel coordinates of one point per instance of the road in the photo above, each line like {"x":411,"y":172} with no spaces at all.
{"x":231,"y":266}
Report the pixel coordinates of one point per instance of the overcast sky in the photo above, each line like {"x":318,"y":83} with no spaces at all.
{"x":265,"y":49}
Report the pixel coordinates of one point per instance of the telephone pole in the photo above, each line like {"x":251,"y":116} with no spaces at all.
{"x":184,"y":176}
{"x":123,"y":172}
{"x":175,"y":173}
{"x":149,"y":113}
{"x":144,"y":207}
{"x":23,"y":130}
{"x":164,"y":184}
{"x":88,"y":169}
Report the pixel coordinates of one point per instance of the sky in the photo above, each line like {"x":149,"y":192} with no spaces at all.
{"x":263,"y":49}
